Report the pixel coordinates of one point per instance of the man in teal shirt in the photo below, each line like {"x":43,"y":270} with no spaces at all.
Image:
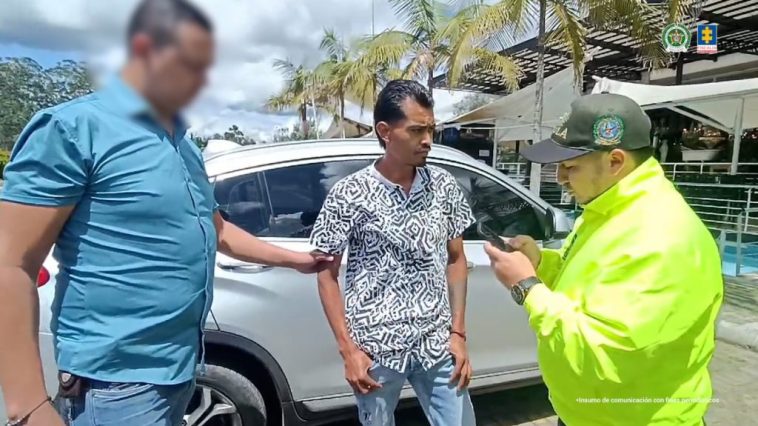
{"x":114,"y":183}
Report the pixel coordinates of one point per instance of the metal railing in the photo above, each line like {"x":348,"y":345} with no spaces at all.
{"x":719,"y":205}
{"x":518,"y":171}
{"x":672,"y":170}
{"x":727,"y":209}
{"x":514,"y":170}
{"x":743,"y":249}
{"x":703,"y":167}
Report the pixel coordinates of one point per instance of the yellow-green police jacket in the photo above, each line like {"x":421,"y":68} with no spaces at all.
{"x":626,"y":321}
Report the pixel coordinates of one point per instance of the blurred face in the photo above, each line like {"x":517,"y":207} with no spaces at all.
{"x":409,"y":141}
{"x":177,"y":71}
{"x":588,"y":176}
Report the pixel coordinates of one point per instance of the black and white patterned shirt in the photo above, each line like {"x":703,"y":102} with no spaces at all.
{"x":396,"y":293}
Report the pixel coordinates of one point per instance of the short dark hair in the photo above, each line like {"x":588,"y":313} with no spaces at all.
{"x":641,"y":155}
{"x":159,"y":19}
{"x":389,"y":103}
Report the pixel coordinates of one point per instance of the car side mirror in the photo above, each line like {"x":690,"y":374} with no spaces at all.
{"x":557,"y":224}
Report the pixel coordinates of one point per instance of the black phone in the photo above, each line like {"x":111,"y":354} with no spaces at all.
{"x":490,"y":235}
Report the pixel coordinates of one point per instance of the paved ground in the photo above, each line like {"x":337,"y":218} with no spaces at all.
{"x":734,"y":372}
{"x":735,"y":380}
{"x":741,"y":300}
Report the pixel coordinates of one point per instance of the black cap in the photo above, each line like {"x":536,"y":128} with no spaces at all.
{"x":598,"y":122}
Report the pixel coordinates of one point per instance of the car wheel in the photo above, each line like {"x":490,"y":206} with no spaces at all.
{"x":224,"y":397}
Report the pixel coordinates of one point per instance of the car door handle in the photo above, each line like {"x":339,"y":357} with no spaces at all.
{"x":244,"y":268}
{"x":470,"y":264}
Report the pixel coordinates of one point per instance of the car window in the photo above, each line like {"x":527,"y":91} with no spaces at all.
{"x":281,"y":202}
{"x":505,"y":211}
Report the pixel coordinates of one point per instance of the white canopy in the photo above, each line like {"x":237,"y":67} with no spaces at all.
{"x":721,"y":101}
{"x":728,"y":105}
{"x":512,"y":115}
{"x":352,"y":129}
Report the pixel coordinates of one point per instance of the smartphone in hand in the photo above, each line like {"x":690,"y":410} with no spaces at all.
{"x":490,"y":235}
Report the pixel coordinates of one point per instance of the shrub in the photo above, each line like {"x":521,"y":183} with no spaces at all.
{"x":4,"y":158}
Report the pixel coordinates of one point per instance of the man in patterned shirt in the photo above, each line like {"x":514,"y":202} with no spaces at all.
{"x":405,"y":286}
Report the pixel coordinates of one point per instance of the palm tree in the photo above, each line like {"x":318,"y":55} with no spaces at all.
{"x":301,"y":89}
{"x":330,"y":74}
{"x":430,"y":31}
{"x":560,"y":25}
{"x":352,"y":71}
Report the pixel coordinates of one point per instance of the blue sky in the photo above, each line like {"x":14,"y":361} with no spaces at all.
{"x":46,"y":58}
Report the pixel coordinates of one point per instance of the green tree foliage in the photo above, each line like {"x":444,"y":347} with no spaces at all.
{"x":26,"y":87}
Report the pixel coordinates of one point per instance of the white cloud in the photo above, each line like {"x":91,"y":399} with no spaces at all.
{"x":250,"y":35}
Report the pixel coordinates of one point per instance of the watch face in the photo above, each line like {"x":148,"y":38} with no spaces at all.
{"x":518,"y":294}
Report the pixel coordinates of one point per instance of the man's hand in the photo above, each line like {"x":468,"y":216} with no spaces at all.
{"x":462,"y":372}
{"x":526,"y":244}
{"x":44,"y":416}
{"x":509,"y":268}
{"x":357,"y":364}
{"x":310,"y":263}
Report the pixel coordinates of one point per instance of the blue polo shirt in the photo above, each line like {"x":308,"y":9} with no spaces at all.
{"x":136,"y":256}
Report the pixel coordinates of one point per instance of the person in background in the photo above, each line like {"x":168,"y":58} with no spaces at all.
{"x":625,"y":312}
{"x":112,"y":180}
{"x":403,"y":317}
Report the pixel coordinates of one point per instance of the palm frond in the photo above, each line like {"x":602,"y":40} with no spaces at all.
{"x":417,"y":68}
{"x":286,"y":67}
{"x":503,"y":67}
{"x":678,"y":10}
{"x":393,"y":74}
{"x":454,"y":28}
{"x":474,"y":27}
{"x":325,"y":73}
{"x":387,"y":48}
{"x":281,"y":102}
{"x":631,"y":17}
{"x":567,"y":34}
{"x":418,"y":16}
{"x":463,"y":4}
{"x":333,"y":45}
{"x":360,"y":85}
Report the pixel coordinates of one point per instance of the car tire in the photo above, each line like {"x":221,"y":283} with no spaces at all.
{"x":228,"y":388}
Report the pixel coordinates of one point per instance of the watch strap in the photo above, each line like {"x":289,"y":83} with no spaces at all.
{"x":521,"y":290}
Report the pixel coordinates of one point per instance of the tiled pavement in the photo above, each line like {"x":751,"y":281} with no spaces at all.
{"x":734,"y":372}
{"x":741,"y":299}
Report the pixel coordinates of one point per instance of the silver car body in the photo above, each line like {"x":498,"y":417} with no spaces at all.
{"x":274,"y":315}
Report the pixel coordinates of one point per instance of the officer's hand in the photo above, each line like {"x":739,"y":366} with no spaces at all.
{"x":526,"y":244}
{"x":509,"y":268}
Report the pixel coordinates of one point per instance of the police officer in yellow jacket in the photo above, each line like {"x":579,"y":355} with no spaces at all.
{"x":625,"y":312}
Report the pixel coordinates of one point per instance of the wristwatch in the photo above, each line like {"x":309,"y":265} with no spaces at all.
{"x":522,"y":288}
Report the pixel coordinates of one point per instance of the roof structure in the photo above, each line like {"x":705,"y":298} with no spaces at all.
{"x":616,"y":57}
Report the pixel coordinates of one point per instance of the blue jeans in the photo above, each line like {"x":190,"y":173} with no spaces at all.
{"x":127,"y":404}
{"x":441,"y":401}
